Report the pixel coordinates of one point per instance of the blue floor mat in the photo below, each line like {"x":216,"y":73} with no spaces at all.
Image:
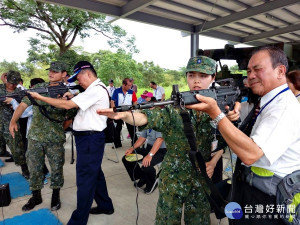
{"x":1,"y":163}
{"x":18,"y":185}
{"x":38,"y":217}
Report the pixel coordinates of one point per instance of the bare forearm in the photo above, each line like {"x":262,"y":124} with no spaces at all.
{"x":18,"y":112}
{"x":245,"y":148}
{"x":217,"y":156}
{"x":140,"y":141}
{"x":138,"y":119}
{"x":156,"y":145}
{"x":58,"y":103}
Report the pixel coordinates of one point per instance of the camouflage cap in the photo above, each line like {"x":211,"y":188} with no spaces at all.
{"x":201,"y":64}
{"x":58,"y":66}
{"x":13,"y":77}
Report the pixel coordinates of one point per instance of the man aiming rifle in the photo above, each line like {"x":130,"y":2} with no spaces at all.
{"x":45,"y":137}
{"x":15,"y":144}
{"x":180,"y":184}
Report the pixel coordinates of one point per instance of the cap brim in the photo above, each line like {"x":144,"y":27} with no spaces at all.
{"x":54,"y":70}
{"x":209,"y":72}
{"x":73,"y":77}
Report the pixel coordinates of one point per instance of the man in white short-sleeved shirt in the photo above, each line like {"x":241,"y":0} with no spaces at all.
{"x":272,"y":150}
{"x":88,"y":129}
{"x":158,"y":91}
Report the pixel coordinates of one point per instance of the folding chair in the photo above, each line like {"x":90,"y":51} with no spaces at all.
{"x":114,"y":148}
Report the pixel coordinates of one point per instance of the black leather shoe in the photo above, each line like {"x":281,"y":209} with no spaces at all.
{"x":11,"y":159}
{"x":5,"y":154}
{"x":148,"y":191}
{"x":96,"y":210}
{"x":36,"y":199}
{"x":141,"y":183}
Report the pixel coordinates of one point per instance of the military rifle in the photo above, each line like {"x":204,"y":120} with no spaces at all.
{"x":224,"y":95}
{"x":55,"y":91}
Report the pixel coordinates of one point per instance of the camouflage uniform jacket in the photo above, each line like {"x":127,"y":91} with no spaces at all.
{"x":6,"y":110}
{"x":44,"y":130}
{"x":176,"y":163}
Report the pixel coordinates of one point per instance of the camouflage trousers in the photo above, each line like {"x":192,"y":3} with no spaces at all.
{"x":35,"y":157}
{"x":173,"y":195}
{"x":15,"y":144}
{"x":2,"y":143}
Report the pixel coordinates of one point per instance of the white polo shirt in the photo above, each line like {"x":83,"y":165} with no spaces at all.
{"x":93,"y":98}
{"x":277,"y":132}
{"x":158,"y":92}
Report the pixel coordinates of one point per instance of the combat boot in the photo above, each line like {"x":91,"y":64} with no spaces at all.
{"x":36,"y":199}
{"x":25,"y":171}
{"x":55,"y":200}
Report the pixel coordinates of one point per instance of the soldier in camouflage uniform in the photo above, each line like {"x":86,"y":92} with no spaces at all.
{"x":15,"y":144}
{"x":45,"y":137}
{"x":3,"y":151}
{"x":180,"y":185}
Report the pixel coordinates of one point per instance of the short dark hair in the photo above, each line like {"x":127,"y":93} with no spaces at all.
{"x":153,"y":83}
{"x":125,"y":80}
{"x":276,"y":54}
{"x":35,"y":81}
{"x":294,"y":77}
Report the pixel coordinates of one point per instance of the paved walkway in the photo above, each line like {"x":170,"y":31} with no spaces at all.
{"x":128,"y":203}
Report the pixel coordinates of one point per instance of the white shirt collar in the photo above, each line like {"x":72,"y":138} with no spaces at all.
{"x":267,"y":97}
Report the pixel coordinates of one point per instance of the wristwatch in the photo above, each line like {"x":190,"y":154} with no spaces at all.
{"x":214,"y":123}
{"x":151,"y":154}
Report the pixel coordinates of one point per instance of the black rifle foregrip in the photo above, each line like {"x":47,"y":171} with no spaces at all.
{"x":122,"y":108}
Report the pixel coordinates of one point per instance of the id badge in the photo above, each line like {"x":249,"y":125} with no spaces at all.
{"x":214,"y":145}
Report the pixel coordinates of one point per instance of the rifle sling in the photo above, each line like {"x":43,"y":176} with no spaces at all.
{"x":43,"y":110}
{"x":215,"y":199}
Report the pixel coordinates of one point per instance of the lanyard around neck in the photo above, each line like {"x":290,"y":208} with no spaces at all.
{"x":265,"y":105}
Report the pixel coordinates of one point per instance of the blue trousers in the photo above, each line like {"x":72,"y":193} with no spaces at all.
{"x":90,"y":179}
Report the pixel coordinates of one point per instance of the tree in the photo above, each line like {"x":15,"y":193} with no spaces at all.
{"x":27,"y":70}
{"x":60,"y":25}
{"x":235,"y":70}
{"x":116,"y":66}
{"x":151,"y":73}
{"x":6,"y":66}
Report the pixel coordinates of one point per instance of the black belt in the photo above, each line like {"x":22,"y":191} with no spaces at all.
{"x":85,"y":133}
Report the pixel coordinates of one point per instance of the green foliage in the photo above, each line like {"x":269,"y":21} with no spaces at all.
{"x":27,"y":70}
{"x":235,"y":70}
{"x":108,"y":65}
{"x":6,"y":66}
{"x":60,"y":25}
{"x":116,"y":66}
{"x":150,"y":73}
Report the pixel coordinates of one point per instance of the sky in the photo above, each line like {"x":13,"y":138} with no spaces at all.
{"x":165,"y":47}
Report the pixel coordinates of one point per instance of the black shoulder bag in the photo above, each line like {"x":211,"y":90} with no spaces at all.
{"x":110,"y":129}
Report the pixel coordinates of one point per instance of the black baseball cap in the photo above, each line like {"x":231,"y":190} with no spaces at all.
{"x":78,"y":67}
